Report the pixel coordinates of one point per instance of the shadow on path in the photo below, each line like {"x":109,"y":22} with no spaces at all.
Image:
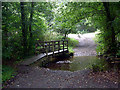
{"x":36,"y":77}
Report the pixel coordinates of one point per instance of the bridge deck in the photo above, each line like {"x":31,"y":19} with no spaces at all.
{"x":38,"y":57}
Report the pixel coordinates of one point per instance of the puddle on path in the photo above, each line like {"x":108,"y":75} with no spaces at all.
{"x":77,"y":63}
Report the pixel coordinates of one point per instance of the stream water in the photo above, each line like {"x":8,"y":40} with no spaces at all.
{"x":79,"y":63}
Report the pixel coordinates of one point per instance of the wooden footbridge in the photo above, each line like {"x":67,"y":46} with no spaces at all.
{"x":47,"y":48}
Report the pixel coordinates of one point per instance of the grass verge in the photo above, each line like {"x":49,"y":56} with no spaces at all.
{"x":7,"y":73}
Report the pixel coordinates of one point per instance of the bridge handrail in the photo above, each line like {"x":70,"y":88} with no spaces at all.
{"x":51,"y":46}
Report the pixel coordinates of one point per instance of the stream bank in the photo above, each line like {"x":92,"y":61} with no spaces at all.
{"x":72,"y":74}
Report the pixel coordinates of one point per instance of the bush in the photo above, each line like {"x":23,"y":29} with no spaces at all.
{"x":52,"y":36}
{"x":100,"y":45}
{"x":70,"y":49}
{"x":118,"y":53}
{"x":7,"y":73}
{"x":100,"y":65}
{"x":71,"y":44}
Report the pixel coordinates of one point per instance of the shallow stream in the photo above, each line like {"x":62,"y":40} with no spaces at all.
{"x":78,"y":63}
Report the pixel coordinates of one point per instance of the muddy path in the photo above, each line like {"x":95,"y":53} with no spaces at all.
{"x":86,"y":46}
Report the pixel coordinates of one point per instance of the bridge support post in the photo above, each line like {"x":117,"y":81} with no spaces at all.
{"x":46,"y":50}
{"x":67,"y":45}
{"x":58,"y":46}
{"x":53,"y":47}
{"x":63,"y":46}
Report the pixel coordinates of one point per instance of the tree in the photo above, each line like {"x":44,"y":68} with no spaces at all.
{"x":111,"y":44}
{"x":23,"y":23}
{"x":30,"y":26}
{"x":24,"y":27}
{"x":101,"y":15}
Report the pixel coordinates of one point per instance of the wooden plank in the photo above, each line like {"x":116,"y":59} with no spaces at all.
{"x":63,"y":46}
{"x":67,"y":45}
{"x":33,"y":59}
{"x":51,"y":46}
{"x":58,"y":46}
{"x":60,"y":51}
{"x":38,"y":57}
{"x":46,"y":41}
{"x":46,"y":48}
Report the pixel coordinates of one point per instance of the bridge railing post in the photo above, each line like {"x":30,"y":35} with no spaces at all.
{"x":67,"y":45}
{"x":49,"y":47}
{"x":63,"y":45}
{"x":58,"y":46}
{"x":46,"y":49}
{"x":53,"y":47}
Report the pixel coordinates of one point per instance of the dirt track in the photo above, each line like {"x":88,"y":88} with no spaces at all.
{"x":86,"y":46}
{"x":36,"y":77}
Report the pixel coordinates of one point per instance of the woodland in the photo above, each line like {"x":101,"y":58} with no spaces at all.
{"x":23,"y":23}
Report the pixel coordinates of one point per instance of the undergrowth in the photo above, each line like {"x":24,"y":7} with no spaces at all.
{"x":7,"y":72}
{"x":72,"y":44}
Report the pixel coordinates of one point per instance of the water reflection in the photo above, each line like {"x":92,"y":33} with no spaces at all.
{"x":78,"y":63}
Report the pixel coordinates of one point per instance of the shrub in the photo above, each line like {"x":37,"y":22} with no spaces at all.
{"x":118,"y":53}
{"x":100,"y":65}
{"x":100,"y":45}
{"x":51,"y":36}
{"x":7,"y":73}
{"x":71,"y":44}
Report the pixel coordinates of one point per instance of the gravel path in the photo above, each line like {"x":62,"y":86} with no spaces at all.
{"x":36,"y":77}
{"x":86,"y":46}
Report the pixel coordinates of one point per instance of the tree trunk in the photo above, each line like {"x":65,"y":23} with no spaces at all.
{"x":112,"y":40}
{"x":30,"y":27}
{"x":24,"y":29}
{"x":31,"y":19}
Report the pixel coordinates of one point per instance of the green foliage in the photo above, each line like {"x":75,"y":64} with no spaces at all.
{"x":71,"y":44}
{"x":52,"y":21}
{"x":118,"y":53}
{"x":70,"y":48}
{"x":48,"y":36}
{"x":51,"y":36}
{"x":100,"y":65}
{"x":13,"y":34}
{"x":7,"y":73}
{"x":100,"y":45}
